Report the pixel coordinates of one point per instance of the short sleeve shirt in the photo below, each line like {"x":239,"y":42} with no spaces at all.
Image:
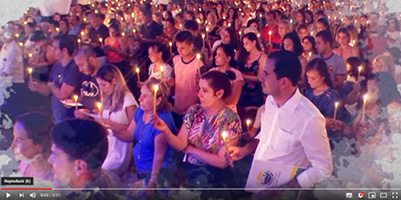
{"x":69,"y":75}
{"x":335,"y":63}
{"x":204,"y":132}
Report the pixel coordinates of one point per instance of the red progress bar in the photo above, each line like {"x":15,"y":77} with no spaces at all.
{"x":26,"y":188}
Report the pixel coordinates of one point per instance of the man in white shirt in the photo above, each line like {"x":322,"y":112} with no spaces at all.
{"x":293,"y":130}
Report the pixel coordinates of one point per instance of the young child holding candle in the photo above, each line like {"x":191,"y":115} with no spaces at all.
{"x":159,"y":55}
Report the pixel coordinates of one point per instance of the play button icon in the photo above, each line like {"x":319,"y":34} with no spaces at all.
{"x":8,"y":195}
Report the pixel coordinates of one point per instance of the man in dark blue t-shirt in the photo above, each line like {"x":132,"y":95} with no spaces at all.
{"x":64,"y":79}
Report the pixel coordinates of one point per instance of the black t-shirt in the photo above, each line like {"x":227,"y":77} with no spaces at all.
{"x":150,"y":31}
{"x":69,"y":75}
{"x":90,"y":92}
{"x":95,"y":34}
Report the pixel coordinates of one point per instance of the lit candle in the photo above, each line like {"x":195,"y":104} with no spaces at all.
{"x":155,"y":89}
{"x":76,"y":101}
{"x":79,"y":40}
{"x":20,"y":44}
{"x":137,"y":73}
{"x":309,"y":55}
{"x":134,"y":31}
{"x":57,"y":29}
{"x":311,"y":33}
{"x":82,"y":33}
{"x":258,"y":35}
{"x":132,"y":14}
{"x":171,"y":47}
{"x":359,"y":72}
{"x":248,"y":122}
{"x":203,"y":39}
{"x":17,"y":35}
{"x":101,"y":40}
{"x":365,"y":99}
{"x":99,"y":108}
{"x":198,"y":57}
{"x":229,"y":24}
{"x":224,"y":135}
{"x":270,"y":37}
{"x":161,"y":70}
{"x":240,"y":33}
{"x":30,"y":55}
{"x":335,"y":109}
{"x":30,"y":73}
{"x":123,"y":34}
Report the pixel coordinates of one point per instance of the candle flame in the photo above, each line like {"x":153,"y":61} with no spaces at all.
{"x":82,"y":33}
{"x":365,"y":98}
{"x":137,"y":70}
{"x":203,"y":36}
{"x":156,"y":88}
{"x":100,"y":39}
{"x":30,"y":70}
{"x":30,"y":55}
{"x":224,"y":135}
{"x":336,"y":104}
{"x":248,"y":122}
{"x":170,"y":44}
{"x":75,"y":97}
{"x":161,"y":68}
{"x":198,"y":56}
{"x":360,"y":69}
{"x":270,"y":32}
{"x":99,"y":105}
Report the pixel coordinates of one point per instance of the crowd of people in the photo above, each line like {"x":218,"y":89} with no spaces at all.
{"x":201,"y":94}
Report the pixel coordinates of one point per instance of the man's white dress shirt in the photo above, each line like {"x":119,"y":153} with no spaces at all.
{"x":295,"y":134}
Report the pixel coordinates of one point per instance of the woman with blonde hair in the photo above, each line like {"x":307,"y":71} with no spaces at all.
{"x":118,"y":107}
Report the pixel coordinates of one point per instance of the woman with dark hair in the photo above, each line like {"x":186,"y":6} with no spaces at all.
{"x":320,"y":88}
{"x":393,"y":28}
{"x":233,"y":19}
{"x":309,"y":18}
{"x":228,"y":36}
{"x":169,"y":28}
{"x":31,"y":145}
{"x":302,"y":31}
{"x":299,"y":19}
{"x":64,"y":26}
{"x":308,"y":44}
{"x":115,"y":47}
{"x":253,"y":23}
{"x":292,"y":43}
{"x":322,"y":24}
{"x":42,"y":56}
{"x":224,"y":60}
{"x":208,"y":128}
{"x":250,"y":62}
{"x":345,"y":50}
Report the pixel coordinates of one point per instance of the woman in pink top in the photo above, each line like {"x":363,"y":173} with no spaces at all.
{"x":115,"y":47}
{"x":224,"y":60}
